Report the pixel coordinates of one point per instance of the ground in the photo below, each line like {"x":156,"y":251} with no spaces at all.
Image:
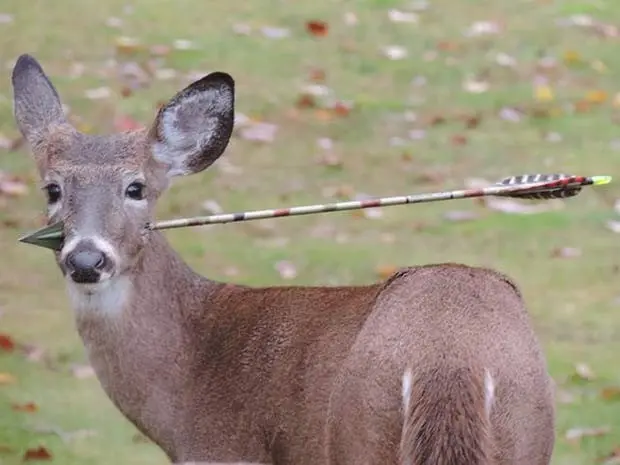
{"x":485,"y":90}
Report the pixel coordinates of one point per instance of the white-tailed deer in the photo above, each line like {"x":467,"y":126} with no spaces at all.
{"x":437,"y":365}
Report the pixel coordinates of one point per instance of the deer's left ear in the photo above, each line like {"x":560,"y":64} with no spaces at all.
{"x":192,"y":130}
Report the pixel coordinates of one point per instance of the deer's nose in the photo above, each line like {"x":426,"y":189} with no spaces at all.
{"x":85,"y":265}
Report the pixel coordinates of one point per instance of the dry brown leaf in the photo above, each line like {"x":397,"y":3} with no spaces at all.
{"x":127,"y":45}
{"x":7,"y":378}
{"x":613,"y":458}
{"x":125,"y":123}
{"x":6,"y":343}
{"x":385,"y":271}
{"x":29,"y":407}
{"x":458,"y":139}
{"x":317,"y":28}
{"x":566,"y":252}
{"x":39,"y":453}
{"x":4,"y":449}
{"x":611,"y":393}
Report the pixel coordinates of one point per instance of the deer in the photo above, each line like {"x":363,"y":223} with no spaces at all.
{"x":436,"y":364}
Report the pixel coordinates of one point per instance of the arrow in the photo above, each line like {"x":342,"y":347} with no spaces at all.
{"x":529,"y":186}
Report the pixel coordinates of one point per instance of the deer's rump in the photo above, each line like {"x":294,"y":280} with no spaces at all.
{"x":414,"y":382}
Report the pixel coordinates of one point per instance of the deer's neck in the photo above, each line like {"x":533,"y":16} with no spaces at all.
{"x":135,"y":335}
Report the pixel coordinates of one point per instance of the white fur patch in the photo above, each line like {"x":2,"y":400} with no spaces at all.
{"x":108,"y":297}
{"x":489,"y":392}
{"x":407,"y":385}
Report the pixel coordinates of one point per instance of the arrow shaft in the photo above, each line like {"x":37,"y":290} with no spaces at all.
{"x":508,"y":190}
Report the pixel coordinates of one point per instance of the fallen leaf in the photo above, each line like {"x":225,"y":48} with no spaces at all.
{"x":613,"y":226}
{"x":575,"y":434}
{"x":596,"y":96}
{"x":461,"y":215}
{"x":259,"y":132}
{"x":127,"y":45}
{"x":212,"y":207}
{"x":613,"y":458}
{"x":317,"y":75}
{"x":12,"y":186}
{"x":114,"y":22}
{"x":5,"y":449}
{"x":39,"y":453}
{"x":330,"y":159}
{"x":566,"y":252}
{"x":350,"y":18}
{"x":126,"y":123}
{"x":99,"y":93}
{"x":543,"y":93}
{"x":306,"y":101}
{"x":6,"y":18}
{"x":475,"y":85}
{"x":584,"y":372}
{"x":7,"y":378}
{"x":275,"y":32}
{"x":317,"y":28}
{"x":385,"y":271}
{"x":183,"y":44}
{"x":397,"y":16}
{"x":82,"y":371}
{"x":286,"y":269}
{"x":458,"y":139}
{"x":242,"y":29}
{"x":481,"y":28}
{"x":394,"y":52}
{"x":503,"y":59}
{"x":611,"y":393}
{"x":29,"y":407}
{"x":6,"y":343}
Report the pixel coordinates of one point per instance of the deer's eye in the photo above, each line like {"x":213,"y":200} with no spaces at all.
{"x":135,"y":191}
{"x":53,"y":193}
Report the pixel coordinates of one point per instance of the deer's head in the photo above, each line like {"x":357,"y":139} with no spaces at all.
{"x":104,"y":187}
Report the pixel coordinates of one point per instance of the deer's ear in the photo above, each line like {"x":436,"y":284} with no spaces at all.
{"x":36,"y":104}
{"x":193,"y":129}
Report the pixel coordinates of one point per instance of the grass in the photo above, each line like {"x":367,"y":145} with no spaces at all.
{"x":572,"y":300}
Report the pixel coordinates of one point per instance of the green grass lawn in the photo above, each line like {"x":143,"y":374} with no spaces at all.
{"x":416,"y":124}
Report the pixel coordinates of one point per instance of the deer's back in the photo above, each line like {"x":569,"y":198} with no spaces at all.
{"x":434,"y":318}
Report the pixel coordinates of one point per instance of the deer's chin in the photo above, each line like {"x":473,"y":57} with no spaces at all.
{"x":104,"y":282}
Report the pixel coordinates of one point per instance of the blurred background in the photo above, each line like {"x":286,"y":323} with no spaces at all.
{"x":336,"y":100}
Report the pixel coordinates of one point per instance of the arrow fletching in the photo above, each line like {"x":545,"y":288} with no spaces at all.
{"x":528,"y":186}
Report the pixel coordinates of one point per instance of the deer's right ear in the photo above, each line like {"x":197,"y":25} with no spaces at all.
{"x":193,"y":129}
{"x":36,"y":104}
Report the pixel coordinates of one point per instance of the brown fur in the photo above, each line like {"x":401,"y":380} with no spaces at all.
{"x":285,"y":375}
